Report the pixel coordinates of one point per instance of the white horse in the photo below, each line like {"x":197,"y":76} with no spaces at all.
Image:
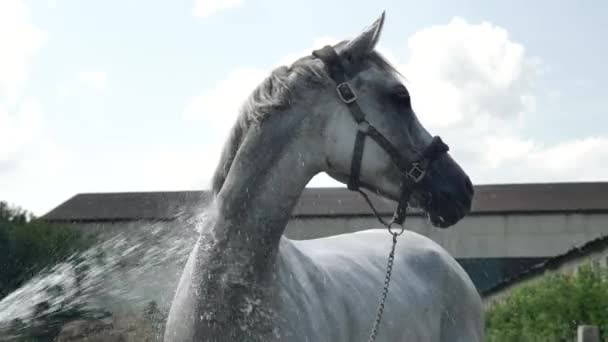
{"x":244,"y":281}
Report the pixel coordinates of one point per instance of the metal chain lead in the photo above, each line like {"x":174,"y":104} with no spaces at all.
{"x":387,"y":280}
{"x":389,"y":265}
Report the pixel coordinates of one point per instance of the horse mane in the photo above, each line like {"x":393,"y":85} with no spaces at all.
{"x":275,"y":93}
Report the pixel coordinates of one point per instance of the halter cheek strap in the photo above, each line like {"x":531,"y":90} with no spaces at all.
{"x":413,"y":172}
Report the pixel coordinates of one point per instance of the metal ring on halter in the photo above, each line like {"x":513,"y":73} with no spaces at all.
{"x":395,"y":233}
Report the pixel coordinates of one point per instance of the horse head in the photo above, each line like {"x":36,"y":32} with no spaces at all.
{"x":361,"y":92}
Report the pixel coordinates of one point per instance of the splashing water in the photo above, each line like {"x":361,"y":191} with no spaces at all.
{"x":130,"y":271}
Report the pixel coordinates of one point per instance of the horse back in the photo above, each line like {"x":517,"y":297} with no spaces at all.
{"x":344,"y":276}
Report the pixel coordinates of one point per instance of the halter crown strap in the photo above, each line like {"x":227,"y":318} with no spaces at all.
{"x":345,"y":92}
{"x":337,"y":72}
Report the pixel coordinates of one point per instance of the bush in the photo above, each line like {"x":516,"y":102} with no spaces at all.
{"x":551,"y":309}
{"x":28,"y":244}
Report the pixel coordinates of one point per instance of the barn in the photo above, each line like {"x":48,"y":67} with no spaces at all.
{"x":511,"y":227}
{"x":593,"y":253}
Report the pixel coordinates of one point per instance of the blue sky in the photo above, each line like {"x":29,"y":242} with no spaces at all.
{"x":138,"y":95}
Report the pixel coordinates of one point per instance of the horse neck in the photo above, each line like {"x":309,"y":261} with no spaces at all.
{"x":266,"y":178}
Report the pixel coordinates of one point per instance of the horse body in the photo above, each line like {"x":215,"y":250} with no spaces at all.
{"x":244,"y":281}
{"x":331,"y":289}
{"x":328,"y":289}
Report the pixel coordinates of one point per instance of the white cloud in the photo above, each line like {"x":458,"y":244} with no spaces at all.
{"x":205,"y":8}
{"x":470,"y":83}
{"x":475,"y":86}
{"x":29,"y":158}
{"x":218,"y":107}
{"x":580,"y":159}
{"x":93,"y":78}
{"x":518,"y":161}
{"x":168,"y":169}
{"x":499,"y":151}
{"x":19,"y":127}
{"x":21,"y":120}
{"x":19,"y":43}
{"x":470,"y":74}
{"x":63,"y":90}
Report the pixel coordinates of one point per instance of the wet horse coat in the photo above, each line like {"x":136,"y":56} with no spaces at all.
{"x":244,"y":281}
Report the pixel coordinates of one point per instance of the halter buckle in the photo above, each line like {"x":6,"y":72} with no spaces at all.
{"x":363,"y":126}
{"x":346,"y":93}
{"x":416,"y":173}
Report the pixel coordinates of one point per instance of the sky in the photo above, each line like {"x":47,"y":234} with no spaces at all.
{"x":133,"y":95}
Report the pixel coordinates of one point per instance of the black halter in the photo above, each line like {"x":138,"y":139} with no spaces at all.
{"x":413,"y":172}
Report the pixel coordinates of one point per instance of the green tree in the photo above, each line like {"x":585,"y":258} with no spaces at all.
{"x":551,"y":309}
{"x":29,"y":244}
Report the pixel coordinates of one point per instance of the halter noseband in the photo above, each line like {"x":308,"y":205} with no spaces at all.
{"x":413,"y":172}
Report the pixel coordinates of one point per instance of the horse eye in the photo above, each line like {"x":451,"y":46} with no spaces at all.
{"x":401,"y":95}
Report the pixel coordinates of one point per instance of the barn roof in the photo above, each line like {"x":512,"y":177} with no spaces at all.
{"x":553,"y":263}
{"x":489,"y":199}
{"x":127,"y":206}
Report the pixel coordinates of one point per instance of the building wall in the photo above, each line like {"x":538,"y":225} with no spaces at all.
{"x":479,"y":236}
{"x":475,"y":236}
{"x":489,"y":247}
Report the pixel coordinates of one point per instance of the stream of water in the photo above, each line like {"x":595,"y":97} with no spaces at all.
{"x":131,"y":271}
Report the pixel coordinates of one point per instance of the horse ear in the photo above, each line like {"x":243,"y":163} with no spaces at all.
{"x":364,"y":43}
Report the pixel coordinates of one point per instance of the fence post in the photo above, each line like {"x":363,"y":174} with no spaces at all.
{"x":587,"y":333}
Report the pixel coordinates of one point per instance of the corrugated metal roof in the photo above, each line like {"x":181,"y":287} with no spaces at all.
{"x":489,"y":199}
{"x":553,"y":263}
{"x":541,"y":197}
{"x":128,"y":206}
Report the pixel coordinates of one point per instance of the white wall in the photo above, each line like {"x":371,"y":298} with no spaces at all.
{"x":479,"y":236}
